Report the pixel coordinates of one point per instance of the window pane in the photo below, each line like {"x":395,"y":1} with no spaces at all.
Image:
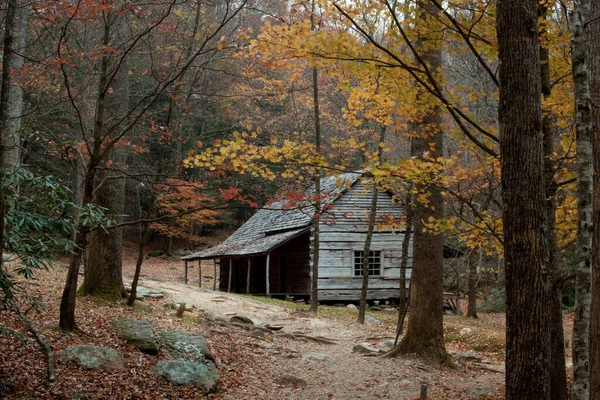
{"x":374,"y":263}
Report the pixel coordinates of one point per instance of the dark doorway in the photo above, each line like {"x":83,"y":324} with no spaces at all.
{"x":283,"y":272}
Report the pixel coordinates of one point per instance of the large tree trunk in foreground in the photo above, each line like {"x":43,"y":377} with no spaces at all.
{"x":12,"y":129}
{"x":103,"y":268}
{"x":4,"y":105}
{"x":523,"y":196}
{"x":581,"y":361}
{"x":593,"y":57}
{"x":425,"y":329}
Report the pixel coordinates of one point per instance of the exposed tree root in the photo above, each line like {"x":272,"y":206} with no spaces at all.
{"x":40,"y":339}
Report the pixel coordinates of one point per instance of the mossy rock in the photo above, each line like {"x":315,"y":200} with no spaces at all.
{"x":137,"y":333}
{"x":204,"y":376}
{"x":93,"y":357}
{"x":186,"y":345}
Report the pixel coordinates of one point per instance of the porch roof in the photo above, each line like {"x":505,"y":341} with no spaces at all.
{"x":254,"y":247}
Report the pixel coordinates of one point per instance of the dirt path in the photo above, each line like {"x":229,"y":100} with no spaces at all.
{"x":332,"y":371}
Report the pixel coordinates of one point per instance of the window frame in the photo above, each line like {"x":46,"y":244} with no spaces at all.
{"x":358,"y":255}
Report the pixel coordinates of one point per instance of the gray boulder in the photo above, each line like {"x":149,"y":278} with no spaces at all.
{"x":93,"y":357}
{"x":371,"y":320}
{"x":364,"y":348}
{"x":204,"y":376}
{"x":186,"y":345}
{"x":386,"y":345}
{"x":137,"y":333}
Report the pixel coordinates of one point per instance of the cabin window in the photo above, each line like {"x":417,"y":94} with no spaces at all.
{"x":374,"y":263}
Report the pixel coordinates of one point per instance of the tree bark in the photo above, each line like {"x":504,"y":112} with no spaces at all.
{"x":143,"y":237}
{"x":523,"y":200}
{"x":472,"y":307}
{"x":4,"y":106}
{"x":558,"y":372}
{"x":366,"y":250}
{"x":583,"y":106}
{"x":593,"y":53}
{"x":406,"y":242}
{"x":68,"y":300}
{"x":104,"y":265}
{"x":12,"y":133}
{"x":370,"y":228}
{"x":425,"y":329}
{"x":314,"y":287}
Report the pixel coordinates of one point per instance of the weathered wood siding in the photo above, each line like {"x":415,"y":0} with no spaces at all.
{"x":289,"y":267}
{"x":343,"y":231}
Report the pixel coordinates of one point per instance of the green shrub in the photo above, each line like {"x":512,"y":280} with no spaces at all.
{"x":494,"y":302}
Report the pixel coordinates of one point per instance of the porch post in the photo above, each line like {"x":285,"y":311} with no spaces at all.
{"x":185,"y":279}
{"x":199,"y":273}
{"x":215,"y":272}
{"x":248,"y":278}
{"x":267,"y":275}
{"x":230,"y":273}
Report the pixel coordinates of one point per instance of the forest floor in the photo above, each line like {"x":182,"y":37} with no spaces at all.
{"x":251,"y":368}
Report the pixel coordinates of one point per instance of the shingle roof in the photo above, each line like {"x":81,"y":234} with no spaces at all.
{"x":277,"y":223}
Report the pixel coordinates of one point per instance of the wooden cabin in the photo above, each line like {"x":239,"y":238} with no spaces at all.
{"x":271,"y":253}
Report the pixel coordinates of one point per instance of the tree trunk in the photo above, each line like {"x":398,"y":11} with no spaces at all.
{"x":593,"y":52}
{"x":425,"y":329}
{"x":68,"y":299}
{"x":4,"y":108}
{"x":366,"y":250}
{"x":138,"y":264}
{"x":523,"y":198}
{"x":370,"y":228}
{"x":143,"y":237}
{"x":12,"y":129}
{"x":314,"y":287}
{"x":473,"y":278}
{"x":103,"y":268}
{"x":406,"y":242}
{"x":558,"y":372}
{"x":583,"y":106}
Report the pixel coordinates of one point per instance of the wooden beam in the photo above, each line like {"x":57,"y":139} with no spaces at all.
{"x":215,"y":272}
{"x":185,"y":276}
{"x":199,"y":273}
{"x":267,"y":275}
{"x":230,"y":273}
{"x":248,"y":278}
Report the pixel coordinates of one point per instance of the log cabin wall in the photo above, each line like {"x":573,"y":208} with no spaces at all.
{"x":290,"y":267}
{"x":343,"y":231}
